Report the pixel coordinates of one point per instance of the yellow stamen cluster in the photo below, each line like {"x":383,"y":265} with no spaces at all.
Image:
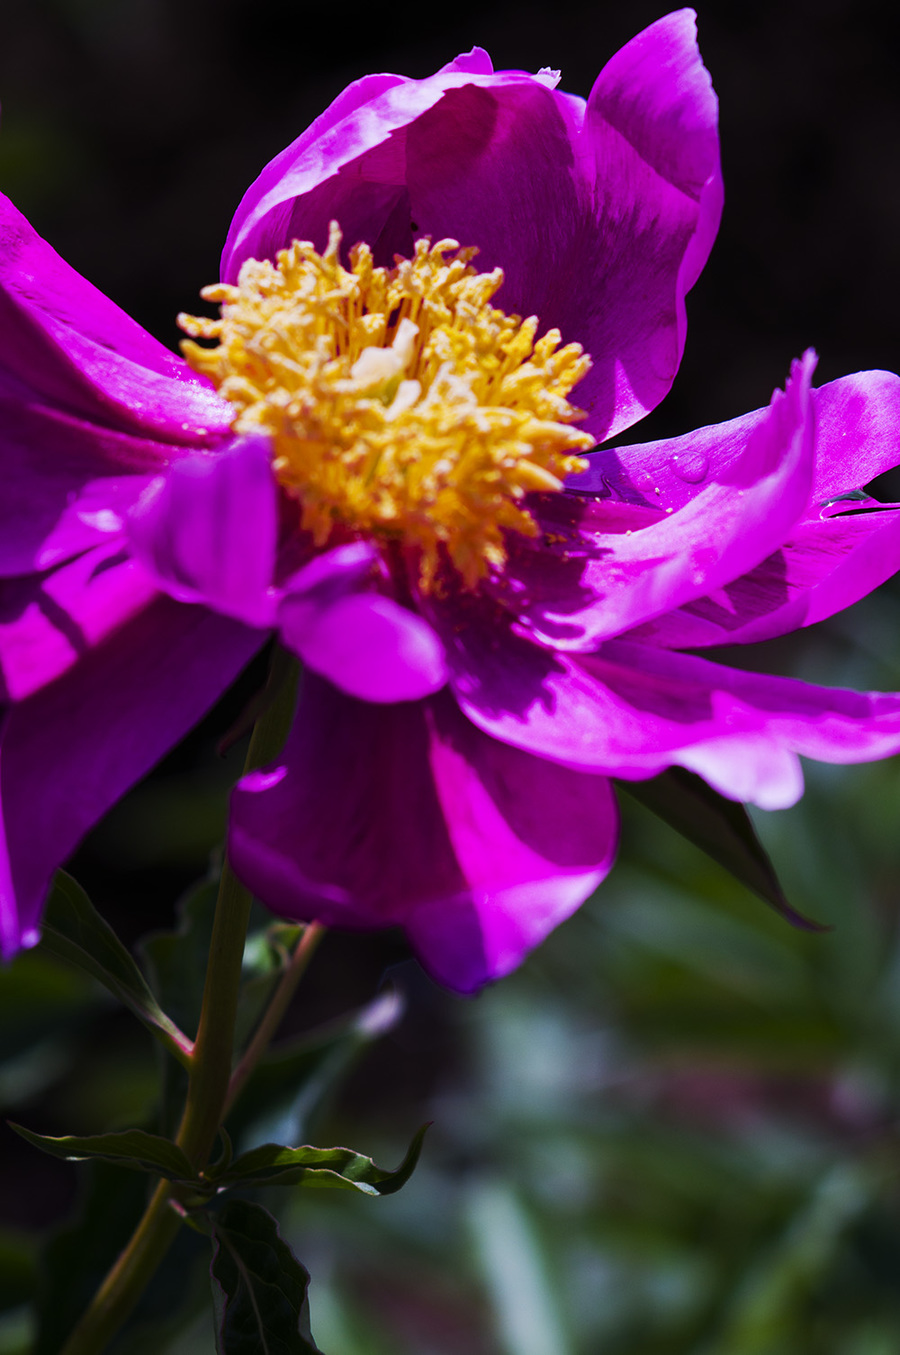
{"x":399,"y":401}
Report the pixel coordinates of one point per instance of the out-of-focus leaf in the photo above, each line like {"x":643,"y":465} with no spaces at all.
{"x":266,"y":956}
{"x":774,"y":1291}
{"x":77,"y":1258}
{"x":17,"y":1268}
{"x":176,"y":962}
{"x":272,"y":1164}
{"x":39,"y":997}
{"x":291,"y":1085}
{"x":259,"y":1287}
{"x":721,"y":828}
{"x":515,"y":1274}
{"x":73,"y":930}
{"x":17,"y":1332}
{"x":133,"y":1148}
{"x":177,"y":959}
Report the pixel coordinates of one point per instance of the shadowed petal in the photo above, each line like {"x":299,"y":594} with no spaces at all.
{"x":857,"y":438}
{"x":826,"y":565}
{"x":65,"y":481}
{"x":70,"y":751}
{"x":48,"y":622}
{"x":206,"y":531}
{"x":405,"y":814}
{"x":601,"y":216}
{"x":651,"y":133}
{"x":608,"y":584}
{"x":630,"y":710}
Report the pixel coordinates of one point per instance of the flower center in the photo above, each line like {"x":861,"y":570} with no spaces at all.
{"x":399,"y":402}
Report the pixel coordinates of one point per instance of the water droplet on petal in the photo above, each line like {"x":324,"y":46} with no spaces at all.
{"x":691,"y":467}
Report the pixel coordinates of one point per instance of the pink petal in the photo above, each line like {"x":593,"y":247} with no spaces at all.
{"x":857,"y":438}
{"x":65,"y":482}
{"x":630,"y":710}
{"x":74,"y":349}
{"x":652,"y":130}
{"x":70,"y":751}
{"x":826,"y":565}
{"x":365,"y":643}
{"x":610,"y":583}
{"x":601,"y":220}
{"x":48,"y":622}
{"x":207,"y":531}
{"x":381,"y":815}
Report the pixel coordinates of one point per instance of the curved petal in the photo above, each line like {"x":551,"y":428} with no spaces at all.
{"x":66,"y":343}
{"x":608,"y":584}
{"x":630,"y":710}
{"x":404,"y":814}
{"x":70,"y":751}
{"x":827,"y":564}
{"x":207,"y":531}
{"x":858,"y":432}
{"x":48,"y":622}
{"x":365,"y":643}
{"x":67,"y":484}
{"x":651,"y":128}
{"x":464,"y":153}
{"x":857,"y":438}
{"x":600,"y":218}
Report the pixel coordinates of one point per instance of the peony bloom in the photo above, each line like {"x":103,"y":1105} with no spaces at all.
{"x":383,"y":467}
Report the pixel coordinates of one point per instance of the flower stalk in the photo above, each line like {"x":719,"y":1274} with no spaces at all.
{"x":211,"y":1088}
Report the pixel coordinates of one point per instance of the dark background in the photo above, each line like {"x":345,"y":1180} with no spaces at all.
{"x":130,"y":129}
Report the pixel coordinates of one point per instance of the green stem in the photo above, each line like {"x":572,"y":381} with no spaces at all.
{"x":210,"y":1062}
{"x":274,"y":1013}
{"x":123,"y":1286}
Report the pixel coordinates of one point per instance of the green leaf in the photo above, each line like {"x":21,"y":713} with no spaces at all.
{"x":73,"y":930}
{"x":272,"y":1164}
{"x":721,"y":828}
{"x":259,"y":1287}
{"x":133,"y":1148}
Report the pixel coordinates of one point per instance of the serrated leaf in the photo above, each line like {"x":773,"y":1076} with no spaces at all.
{"x":722,"y":829}
{"x":273,"y":1164}
{"x":259,"y":1287}
{"x":133,"y":1148}
{"x":73,"y":930}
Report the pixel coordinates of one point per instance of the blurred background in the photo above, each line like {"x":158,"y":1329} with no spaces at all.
{"x":674,"y":1131}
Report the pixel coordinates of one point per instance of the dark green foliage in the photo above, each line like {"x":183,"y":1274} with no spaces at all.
{"x":292,"y":1086}
{"x":78,"y":1256}
{"x":131,"y":1148}
{"x":73,"y":930}
{"x":271,"y":1164}
{"x":259,"y":1287}
{"x":719,"y":827}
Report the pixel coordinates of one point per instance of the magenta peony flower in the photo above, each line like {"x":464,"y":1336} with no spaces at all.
{"x":379,"y":465}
